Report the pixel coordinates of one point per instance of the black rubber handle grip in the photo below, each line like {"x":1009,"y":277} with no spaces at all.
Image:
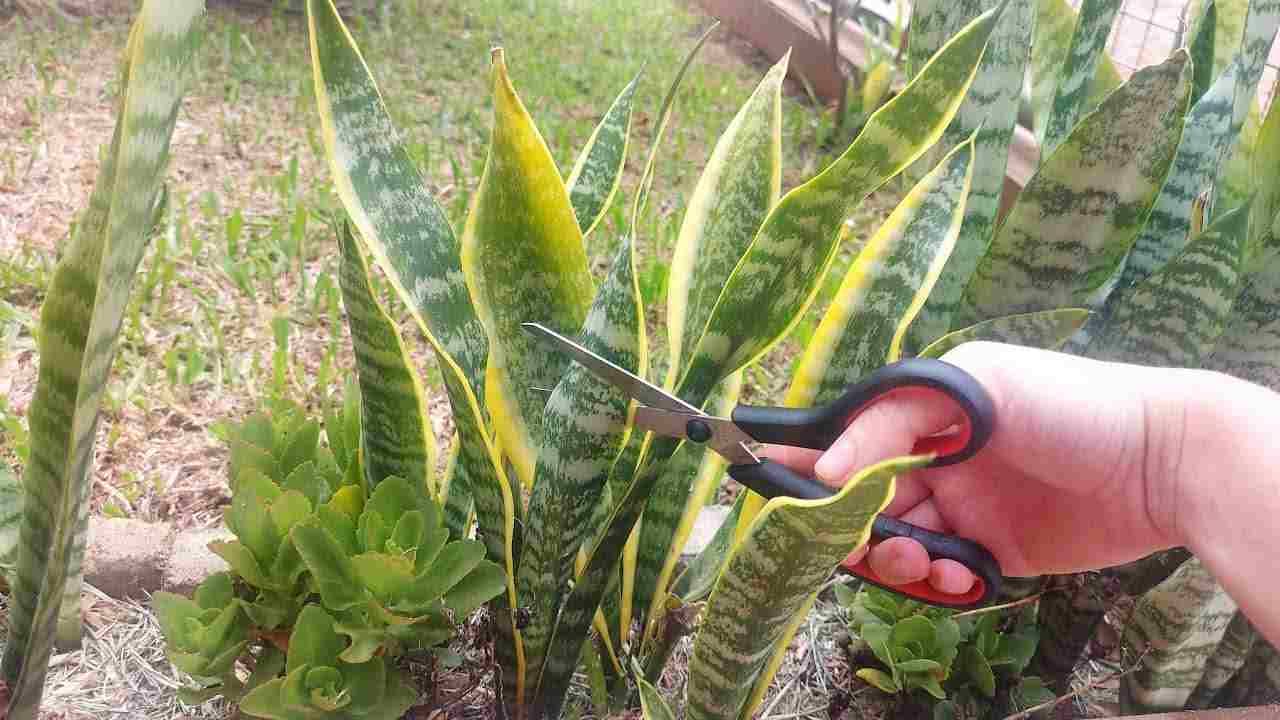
{"x":772,"y":479}
{"x":818,"y":427}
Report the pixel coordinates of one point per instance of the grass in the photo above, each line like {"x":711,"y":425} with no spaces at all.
{"x":236,"y":302}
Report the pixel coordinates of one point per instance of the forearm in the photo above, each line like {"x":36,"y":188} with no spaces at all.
{"x":1227,"y":493}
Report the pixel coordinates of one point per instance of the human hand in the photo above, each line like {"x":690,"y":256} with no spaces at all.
{"x":1081,"y":471}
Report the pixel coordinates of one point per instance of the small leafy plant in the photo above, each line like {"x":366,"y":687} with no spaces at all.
{"x":967,"y":662}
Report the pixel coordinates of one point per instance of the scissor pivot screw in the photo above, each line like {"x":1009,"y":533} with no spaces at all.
{"x":698,"y":431}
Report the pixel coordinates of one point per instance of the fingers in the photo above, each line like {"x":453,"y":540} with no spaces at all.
{"x":886,"y":429}
{"x":799,"y":459}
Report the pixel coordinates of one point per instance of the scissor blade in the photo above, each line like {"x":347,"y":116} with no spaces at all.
{"x":726,"y":438}
{"x":625,"y":381}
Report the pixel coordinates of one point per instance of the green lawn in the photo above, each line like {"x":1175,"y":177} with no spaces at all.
{"x":236,"y":301}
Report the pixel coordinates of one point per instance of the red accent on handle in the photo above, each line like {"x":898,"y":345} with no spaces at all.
{"x":921,"y":589}
{"x":947,"y":443}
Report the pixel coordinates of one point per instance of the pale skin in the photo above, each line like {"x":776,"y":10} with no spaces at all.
{"x":1091,"y":465}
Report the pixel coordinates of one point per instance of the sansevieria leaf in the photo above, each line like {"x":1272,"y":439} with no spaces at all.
{"x":1055,"y":25}
{"x":584,"y":429}
{"x":1174,"y":317}
{"x":524,"y":260}
{"x":79,"y":322}
{"x":990,"y":109}
{"x":695,"y":583}
{"x":738,"y":186}
{"x":1093,"y":27}
{"x":1079,"y":214}
{"x":773,"y":574}
{"x":933,"y":23}
{"x":1048,"y":329}
{"x":1255,"y":45}
{"x":409,"y":236}
{"x":651,"y":703}
{"x":597,"y":173}
{"x":778,"y":277}
{"x":395,"y":433}
{"x":1250,"y":344}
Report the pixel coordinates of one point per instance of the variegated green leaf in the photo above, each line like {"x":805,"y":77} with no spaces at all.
{"x":1235,"y":181}
{"x":1054,"y":27}
{"x":597,"y":173}
{"x":1088,"y":42}
{"x":738,"y":186}
{"x":1079,"y":214}
{"x":1203,"y":143}
{"x":773,"y":574}
{"x":933,"y":22}
{"x":886,"y":285}
{"x":695,"y":583}
{"x":395,"y":433}
{"x":457,"y":496}
{"x":524,"y":260}
{"x":990,"y":109}
{"x":1250,"y":344}
{"x":1176,"y":627}
{"x":408,"y":235}
{"x":1227,"y":660}
{"x":79,"y":323}
{"x":1264,"y":230}
{"x":1201,"y":47}
{"x":692,"y":475}
{"x":11,"y":500}
{"x":1229,"y":21}
{"x":599,"y":570}
{"x":584,"y":429}
{"x":1174,"y":317}
{"x":778,"y":277}
{"x":1048,"y":329}
{"x":1259,"y":32}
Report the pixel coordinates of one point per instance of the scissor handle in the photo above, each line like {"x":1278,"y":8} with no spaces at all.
{"x":818,"y":427}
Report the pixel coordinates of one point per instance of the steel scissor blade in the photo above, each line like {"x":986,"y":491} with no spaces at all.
{"x":624,"y":380}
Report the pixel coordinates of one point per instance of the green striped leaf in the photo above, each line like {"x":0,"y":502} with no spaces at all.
{"x":1174,"y":317}
{"x":692,"y":476}
{"x":457,"y":496}
{"x":409,"y":236}
{"x":10,"y":517}
{"x":1079,"y":214}
{"x":776,"y":280}
{"x":584,"y":429}
{"x":1250,"y":344}
{"x":1259,"y":32}
{"x":990,"y":109}
{"x":1054,"y":28}
{"x":1229,"y":21}
{"x":1177,"y":627}
{"x":524,"y":260}
{"x":773,"y":575}
{"x":695,"y":583}
{"x":79,"y":323}
{"x":1093,"y":26}
{"x":395,"y":433}
{"x":652,"y":706}
{"x":933,"y":22}
{"x":595,"y":176}
{"x":1263,"y":229}
{"x":1236,"y":181}
{"x":1202,"y":48}
{"x":1226,"y":662}
{"x":1048,"y":329}
{"x":886,"y":285}
{"x":738,"y":186}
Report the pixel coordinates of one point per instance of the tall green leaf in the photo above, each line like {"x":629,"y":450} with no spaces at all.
{"x":1174,"y":317}
{"x":767,"y":292}
{"x":695,"y":583}
{"x":886,"y":285}
{"x":1055,"y":26}
{"x":772,"y":575}
{"x":1229,"y":22}
{"x":798,"y":240}
{"x":1249,"y":346}
{"x":1203,"y":35}
{"x":1079,"y":214}
{"x":933,"y":23}
{"x":409,"y":236}
{"x":584,"y":429}
{"x":1259,"y":33}
{"x":1088,"y":42}
{"x":597,"y":173}
{"x":395,"y":432}
{"x":1203,"y":143}
{"x":1263,"y":229}
{"x":990,"y":109}
{"x":738,"y":186}
{"x":79,"y":322}
{"x":652,"y":706}
{"x":524,"y":260}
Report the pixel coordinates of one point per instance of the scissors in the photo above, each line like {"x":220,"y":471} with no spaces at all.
{"x":817,"y":428}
